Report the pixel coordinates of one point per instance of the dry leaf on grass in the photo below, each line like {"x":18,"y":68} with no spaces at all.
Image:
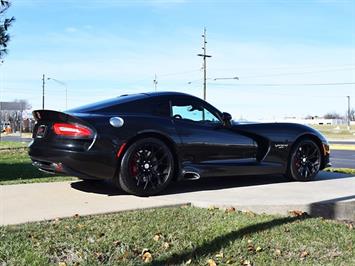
{"x":211,"y":262}
{"x":188,"y":262}
{"x":147,"y":256}
{"x":297,"y":213}
{"x":166,"y":245}
{"x":116,"y":243}
{"x":157,"y":237}
{"x":62,"y":264}
{"x":246,"y":263}
{"x":304,"y":254}
{"x":277,"y":252}
{"x":251,"y":248}
{"x":220,"y":255}
{"x":258,"y":249}
{"x":231,"y":209}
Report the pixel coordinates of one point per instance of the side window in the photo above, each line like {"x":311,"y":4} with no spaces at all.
{"x":192,"y":111}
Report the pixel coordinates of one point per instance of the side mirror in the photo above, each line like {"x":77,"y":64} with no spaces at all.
{"x":226,"y":117}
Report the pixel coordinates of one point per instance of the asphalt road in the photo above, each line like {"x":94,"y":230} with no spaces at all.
{"x":15,"y":138}
{"x":342,"y":159}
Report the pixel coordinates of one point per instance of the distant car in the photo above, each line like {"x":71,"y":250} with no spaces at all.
{"x":145,"y":141}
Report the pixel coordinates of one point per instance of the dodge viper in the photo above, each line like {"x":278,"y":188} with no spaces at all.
{"x":145,"y":141}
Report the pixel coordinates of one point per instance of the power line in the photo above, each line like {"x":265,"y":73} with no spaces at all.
{"x":285,"y":84}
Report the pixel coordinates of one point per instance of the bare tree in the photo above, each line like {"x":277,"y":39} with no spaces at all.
{"x":332,"y":115}
{"x":352,"y":114}
{"x":5,"y":23}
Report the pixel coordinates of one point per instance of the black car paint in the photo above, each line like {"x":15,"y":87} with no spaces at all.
{"x":203,"y":148}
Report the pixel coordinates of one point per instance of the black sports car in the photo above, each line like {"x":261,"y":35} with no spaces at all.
{"x":145,"y":141}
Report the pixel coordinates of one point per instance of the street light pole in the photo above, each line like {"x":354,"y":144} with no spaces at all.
{"x":204,"y":55}
{"x":348,"y":112}
{"x":43,"y":84}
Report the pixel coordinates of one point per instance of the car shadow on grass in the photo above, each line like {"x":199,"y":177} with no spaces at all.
{"x":13,"y":173}
{"x":218,"y":243}
{"x":203,"y":184}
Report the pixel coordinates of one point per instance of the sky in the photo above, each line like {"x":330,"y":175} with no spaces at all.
{"x":280,"y":50}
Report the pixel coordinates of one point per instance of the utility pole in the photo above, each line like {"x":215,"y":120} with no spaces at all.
{"x":348,"y":112}
{"x":204,"y":55}
{"x":43,"y":84}
{"x":155,"y":82}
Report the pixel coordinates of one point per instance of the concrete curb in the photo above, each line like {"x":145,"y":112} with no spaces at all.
{"x":330,"y":210}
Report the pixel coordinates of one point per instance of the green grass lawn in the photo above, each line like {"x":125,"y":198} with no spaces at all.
{"x":179,"y":236}
{"x":16,"y":167}
{"x":12,"y":144}
{"x":349,"y":171}
{"x":336,"y":132}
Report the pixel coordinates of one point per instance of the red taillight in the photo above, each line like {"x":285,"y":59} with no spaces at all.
{"x":72,"y":130}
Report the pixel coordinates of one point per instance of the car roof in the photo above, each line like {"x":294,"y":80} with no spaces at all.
{"x":166,"y":93}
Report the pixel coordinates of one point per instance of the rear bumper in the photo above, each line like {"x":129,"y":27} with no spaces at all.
{"x":83,"y":164}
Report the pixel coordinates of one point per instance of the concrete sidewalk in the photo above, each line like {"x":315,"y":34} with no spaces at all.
{"x":46,"y":201}
{"x":331,"y":195}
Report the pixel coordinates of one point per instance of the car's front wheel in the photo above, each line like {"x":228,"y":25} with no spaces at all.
{"x":305,"y":160}
{"x":147,"y":167}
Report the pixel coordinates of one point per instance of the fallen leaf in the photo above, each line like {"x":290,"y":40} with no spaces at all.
{"x":231,"y":209}
{"x":188,"y":262}
{"x":250,"y":246}
{"x":80,"y":226}
{"x":62,"y":264}
{"x":246,"y":263}
{"x":297,"y":213}
{"x":258,"y":249}
{"x":277,"y":252}
{"x":220,"y":255}
{"x":166,"y":245}
{"x":100,"y":256}
{"x":147,"y":257}
{"x":211,"y":262}
{"x":157,"y":237}
{"x":304,"y":254}
{"x":117,"y":243}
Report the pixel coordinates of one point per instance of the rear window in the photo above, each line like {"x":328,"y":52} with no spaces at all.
{"x":107,"y":104}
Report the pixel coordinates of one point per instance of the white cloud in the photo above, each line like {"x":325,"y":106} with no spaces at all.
{"x":71,"y":29}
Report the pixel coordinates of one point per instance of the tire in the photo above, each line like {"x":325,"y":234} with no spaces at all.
{"x":147,"y":167}
{"x":305,"y":160}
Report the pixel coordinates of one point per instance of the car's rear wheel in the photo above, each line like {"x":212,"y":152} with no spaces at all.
{"x":147,"y":167}
{"x":305,"y":160}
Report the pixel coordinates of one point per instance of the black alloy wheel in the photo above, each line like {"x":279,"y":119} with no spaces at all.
{"x":305,"y":161}
{"x":147,"y":167}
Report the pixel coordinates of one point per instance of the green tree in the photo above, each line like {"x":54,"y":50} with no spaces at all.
{"x":5,"y":23}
